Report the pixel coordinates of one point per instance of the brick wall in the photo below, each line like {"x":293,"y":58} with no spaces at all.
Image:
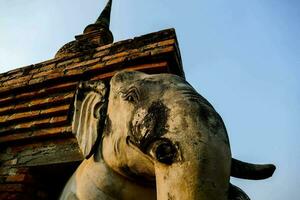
{"x":36,"y":106}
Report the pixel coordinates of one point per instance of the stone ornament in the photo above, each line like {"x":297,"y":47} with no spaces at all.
{"x":152,"y":137}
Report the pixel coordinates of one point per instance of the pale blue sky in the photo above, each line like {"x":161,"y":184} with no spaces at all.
{"x":243,"y":56}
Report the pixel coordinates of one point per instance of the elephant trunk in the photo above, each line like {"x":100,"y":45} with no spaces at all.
{"x":201,"y":168}
{"x":177,"y":182}
{"x":186,"y":181}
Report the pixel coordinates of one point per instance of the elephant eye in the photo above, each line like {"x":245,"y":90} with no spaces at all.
{"x":131,"y":95}
{"x":163,"y":151}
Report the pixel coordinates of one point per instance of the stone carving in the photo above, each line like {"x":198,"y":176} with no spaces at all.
{"x":153,"y":137}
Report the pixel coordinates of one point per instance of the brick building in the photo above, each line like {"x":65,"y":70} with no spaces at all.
{"x":38,"y":151}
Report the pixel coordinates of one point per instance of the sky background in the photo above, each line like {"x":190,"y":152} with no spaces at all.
{"x":243,"y":56}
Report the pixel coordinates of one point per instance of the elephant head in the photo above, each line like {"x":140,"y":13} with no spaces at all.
{"x":153,"y":137}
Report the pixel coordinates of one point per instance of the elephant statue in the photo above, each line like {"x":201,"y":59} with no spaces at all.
{"x":152,"y":137}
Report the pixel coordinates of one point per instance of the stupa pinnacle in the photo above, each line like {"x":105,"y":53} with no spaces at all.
{"x":103,"y":20}
{"x":96,"y":34}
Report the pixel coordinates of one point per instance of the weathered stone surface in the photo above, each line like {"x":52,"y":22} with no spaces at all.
{"x":34,"y":125}
{"x":23,"y":183}
{"x":160,"y":42}
{"x":36,"y":103}
{"x":40,"y":133}
{"x":47,"y":152}
{"x":30,"y":94}
{"x":153,"y":129}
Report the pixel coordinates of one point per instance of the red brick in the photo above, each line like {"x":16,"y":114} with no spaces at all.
{"x":11,"y":196}
{"x":95,"y":67}
{"x":4,"y":109}
{"x":34,"y":71}
{"x":23,"y":79}
{"x":150,"y":46}
{"x":56,"y":109}
{"x":162,"y":50}
{"x":54,"y":76}
{"x":115,"y":61}
{"x":101,"y":53}
{"x":166,"y":42}
{"x":16,"y":178}
{"x":47,"y":67}
{"x":103,"y":47}
{"x":122,"y":54}
{"x":68,"y":62}
{"x":43,"y":73}
{"x":36,"y":80}
{"x":4,"y":99}
{"x":76,"y":71}
{"x":36,"y":134}
{"x":139,"y":55}
{"x":11,"y":188}
{"x":22,"y":115}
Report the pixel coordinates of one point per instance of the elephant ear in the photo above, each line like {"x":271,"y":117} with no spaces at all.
{"x":89,"y":114}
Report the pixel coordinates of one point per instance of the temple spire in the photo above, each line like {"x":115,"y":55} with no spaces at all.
{"x":103,"y":20}
{"x":96,"y":34}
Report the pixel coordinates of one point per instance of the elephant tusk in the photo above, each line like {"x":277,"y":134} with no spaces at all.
{"x":250,"y":171}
